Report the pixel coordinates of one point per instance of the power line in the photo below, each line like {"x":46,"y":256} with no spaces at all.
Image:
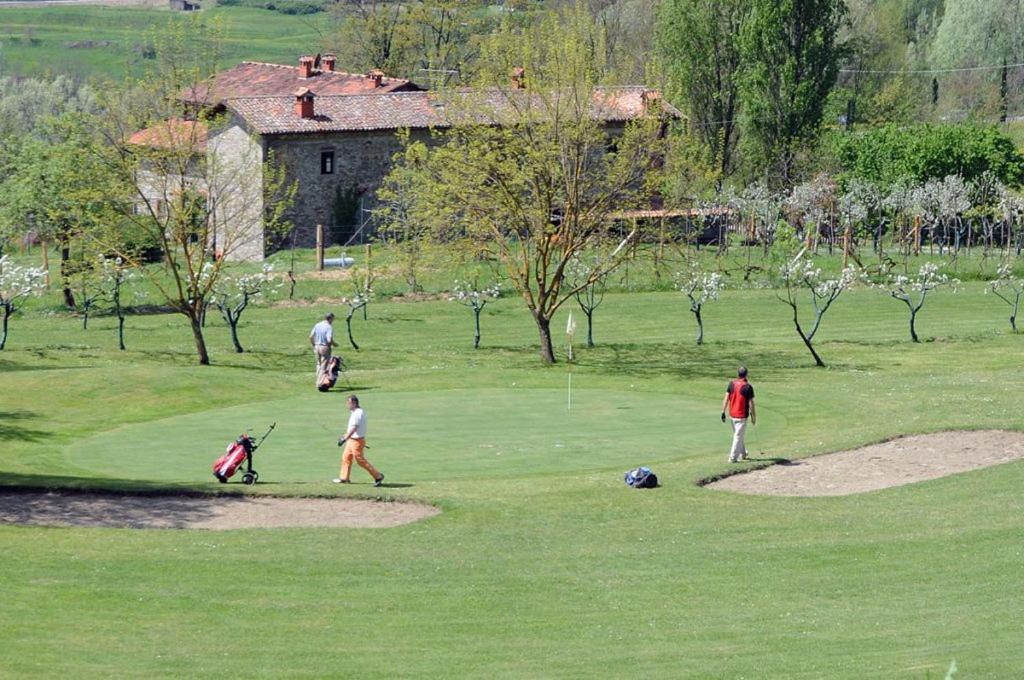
{"x":927,"y":71}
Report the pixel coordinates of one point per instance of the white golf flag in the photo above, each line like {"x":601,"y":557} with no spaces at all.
{"x":570,"y":327}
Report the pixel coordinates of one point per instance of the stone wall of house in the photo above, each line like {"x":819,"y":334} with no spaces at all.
{"x":361,"y":161}
{"x":235,"y":183}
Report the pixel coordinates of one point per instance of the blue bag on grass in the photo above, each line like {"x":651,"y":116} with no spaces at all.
{"x":641,"y":478}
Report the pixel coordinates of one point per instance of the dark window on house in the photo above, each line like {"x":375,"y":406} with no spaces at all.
{"x":327,"y":162}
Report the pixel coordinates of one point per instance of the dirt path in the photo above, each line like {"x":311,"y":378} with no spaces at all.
{"x":202,"y":512}
{"x":893,"y":463}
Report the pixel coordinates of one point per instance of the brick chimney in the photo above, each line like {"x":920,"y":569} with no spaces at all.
{"x":328,"y":62}
{"x":306,"y":67}
{"x":377,"y":76}
{"x":651,"y":101}
{"x":304,"y":103}
{"x":518,"y":78}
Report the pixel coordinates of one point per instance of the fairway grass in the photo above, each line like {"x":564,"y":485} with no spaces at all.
{"x":542,"y":562}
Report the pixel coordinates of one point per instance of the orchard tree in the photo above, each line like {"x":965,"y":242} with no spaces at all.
{"x":1009,"y":288}
{"x":117,"y":276}
{"x":16,"y":284}
{"x":700,"y":288}
{"x":528,"y":170}
{"x":354,"y":303}
{"x":699,"y":42}
{"x":591,"y":295}
{"x":789,"y":53}
{"x":801,"y":278}
{"x":914,"y":290}
{"x":234,"y":292}
{"x":87,"y":280}
{"x":476,"y":297}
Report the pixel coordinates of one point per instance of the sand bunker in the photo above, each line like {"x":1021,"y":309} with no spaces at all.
{"x":201,"y":512}
{"x":893,"y":463}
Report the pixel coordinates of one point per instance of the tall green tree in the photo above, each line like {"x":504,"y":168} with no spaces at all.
{"x":982,"y":33}
{"x":699,"y":42}
{"x":790,"y":55}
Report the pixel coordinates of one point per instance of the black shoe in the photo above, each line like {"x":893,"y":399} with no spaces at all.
{"x":379,"y":481}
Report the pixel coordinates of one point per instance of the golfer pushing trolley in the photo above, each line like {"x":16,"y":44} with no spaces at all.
{"x":354,"y":442}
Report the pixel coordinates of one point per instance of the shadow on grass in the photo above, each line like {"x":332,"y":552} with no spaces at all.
{"x":10,"y":431}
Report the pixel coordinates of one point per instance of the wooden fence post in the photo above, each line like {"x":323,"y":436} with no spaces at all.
{"x":319,"y":247}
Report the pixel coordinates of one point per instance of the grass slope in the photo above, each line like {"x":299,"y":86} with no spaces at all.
{"x":111,"y":41}
{"x":543,"y":564}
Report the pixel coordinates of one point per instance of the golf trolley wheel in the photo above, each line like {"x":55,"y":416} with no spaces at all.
{"x":222,"y":480}
{"x":250,"y":477}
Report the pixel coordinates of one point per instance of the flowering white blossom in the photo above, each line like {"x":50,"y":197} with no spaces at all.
{"x":471,"y":295}
{"x":812,"y":201}
{"x":16,"y":284}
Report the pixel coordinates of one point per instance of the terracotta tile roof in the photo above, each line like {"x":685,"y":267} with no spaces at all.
{"x":258,"y":79}
{"x":413,"y":110}
{"x":173,"y":133}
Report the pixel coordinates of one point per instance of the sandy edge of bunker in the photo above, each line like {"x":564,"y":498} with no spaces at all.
{"x":56,"y":508}
{"x":895,"y":462}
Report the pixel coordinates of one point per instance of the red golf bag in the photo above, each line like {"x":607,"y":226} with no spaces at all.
{"x":238,"y":452}
{"x":330,"y":376}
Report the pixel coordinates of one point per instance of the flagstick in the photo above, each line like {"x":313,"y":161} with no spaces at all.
{"x":570,"y":391}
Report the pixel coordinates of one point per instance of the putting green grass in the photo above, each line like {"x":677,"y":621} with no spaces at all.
{"x":417,"y":436}
{"x":542,"y":563}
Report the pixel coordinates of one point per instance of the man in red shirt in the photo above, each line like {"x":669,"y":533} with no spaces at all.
{"x":739,"y":402}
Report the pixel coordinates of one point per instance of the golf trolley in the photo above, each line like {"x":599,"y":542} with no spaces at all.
{"x":239,"y":451}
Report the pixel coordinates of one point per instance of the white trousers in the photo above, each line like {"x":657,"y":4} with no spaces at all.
{"x":739,"y":449}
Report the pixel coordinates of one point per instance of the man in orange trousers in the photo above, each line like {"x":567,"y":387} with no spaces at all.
{"x":354,"y":442}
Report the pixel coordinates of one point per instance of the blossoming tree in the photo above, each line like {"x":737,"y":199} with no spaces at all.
{"x":233,"y":293}
{"x":16,"y":284}
{"x":472,"y":295}
{"x":1008,"y":288}
{"x":701,"y":288}
{"x":913,"y":290}
{"x":801,"y":277}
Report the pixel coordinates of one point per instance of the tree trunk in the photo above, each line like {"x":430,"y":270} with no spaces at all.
{"x":807,"y":341}
{"x":197,"y":335}
{"x":120,"y":330}
{"x":348,"y":326}
{"x":547,"y":351}
{"x":85,"y":316}
{"x":913,"y":331}
{"x":233,"y":324}
{"x":3,"y":333}
{"x":700,"y":326}
{"x":590,"y":326}
{"x":476,"y":337}
{"x":65,"y":257}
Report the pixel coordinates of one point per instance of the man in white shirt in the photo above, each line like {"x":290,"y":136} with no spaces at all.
{"x":322,"y":339}
{"x":354,"y":442}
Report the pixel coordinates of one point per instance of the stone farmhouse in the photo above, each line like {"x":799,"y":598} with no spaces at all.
{"x":334,"y":132}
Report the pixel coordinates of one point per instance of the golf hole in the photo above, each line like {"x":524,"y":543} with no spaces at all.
{"x":896,"y":462}
{"x":128,"y":511}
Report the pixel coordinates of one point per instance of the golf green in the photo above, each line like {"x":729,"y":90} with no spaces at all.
{"x":417,"y":436}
